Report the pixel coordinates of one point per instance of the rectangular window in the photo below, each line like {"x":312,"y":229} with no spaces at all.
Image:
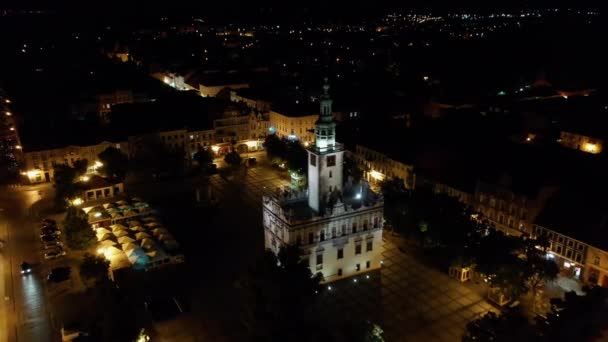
{"x":558,"y":250}
{"x":369,"y":246}
{"x":357,"y":249}
{"x":368,"y":264}
{"x":596,"y":260}
{"x":313,"y":160}
{"x":319,"y":259}
{"x":330,"y":174}
{"x":340,"y":253}
{"x":331,"y":161}
{"x":339,"y":272}
{"x":358,"y":267}
{"x":322,"y":235}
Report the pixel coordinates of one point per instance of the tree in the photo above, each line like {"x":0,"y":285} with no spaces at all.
{"x":115,"y":163}
{"x":156,"y":158}
{"x":203,"y":157}
{"x":576,"y":318}
{"x":65,"y":178}
{"x":233,"y":159}
{"x":78,"y":232}
{"x":296,"y":157}
{"x":352,"y":170}
{"x":507,"y":327}
{"x":275,"y":147}
{"x":80,"y":166}
{"x":94,"y":269}
{"x":281,"y":292}
{"x":538,"y":269}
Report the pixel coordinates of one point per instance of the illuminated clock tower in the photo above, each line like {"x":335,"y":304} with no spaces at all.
{"x":325,"y":157}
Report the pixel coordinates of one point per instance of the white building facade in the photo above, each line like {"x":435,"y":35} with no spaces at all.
{"x":341,"y":235}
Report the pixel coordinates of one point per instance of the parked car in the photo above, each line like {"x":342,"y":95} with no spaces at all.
{"x":48,"y":221}
{"x":49,"y":238}
{"x":59,"y":274}
{"x":52,"y":244}
{"x":54,"y":254}
{"x":26,"y":268}
{"x":50,"y":231}
{"x":50,"y":234}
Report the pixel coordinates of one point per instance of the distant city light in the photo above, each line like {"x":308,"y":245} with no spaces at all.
{"x":502,"y":92}
{"x":329,"y":288}
{"x":97,"y":214}
{"x":426,"y":78}
{"x":77,"y":201}
{"x":358,"y":195}
{"x":84,"y":178}
{"x":215,"y":148}
{"x":8,"y":113}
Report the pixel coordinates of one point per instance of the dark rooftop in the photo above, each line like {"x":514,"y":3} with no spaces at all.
{"x":578,"y":212}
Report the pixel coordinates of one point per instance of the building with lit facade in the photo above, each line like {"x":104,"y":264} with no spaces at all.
{"x":378,"y":166}
{"x":39,"y":164}
{"x":582,"y":142}
{"x":337,"y":224}
{"x":289,"y":124}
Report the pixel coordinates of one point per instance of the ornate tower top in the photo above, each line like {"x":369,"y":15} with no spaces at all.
{"x":326,"y":87}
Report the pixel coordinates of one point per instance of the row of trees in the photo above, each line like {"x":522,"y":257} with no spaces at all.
{"x":573,"y":318}
{"x":450,"y":230}
{"x":282,"y":293}
{"x":78,"y":232}
{"x":290,"y":152}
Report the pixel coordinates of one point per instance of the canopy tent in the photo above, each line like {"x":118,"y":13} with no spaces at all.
{"x":102,"y":231}
{"x":140,"y":205}
{"x":170,"y":244}
{"x":136,"y":199}
{"x":136,"y":250}
{"x":152,"y":225}
{"x":156,"y":255}
{"x":104,"y":236}
{"x":112,"y":250}
{"x":142,"y":236}
{"x":134,"y":223}
{"x":149,"y":219}
{"x":125,"y":239}
{"x":165,"y":237}
{"x":121,"y":233}
{"x":147,"y":243}
{"x":159,"y":231}
{"x":106,"y":243}
{"x":129,"y":246}
{"x":116,"y":216}
{"x":138,"y":229}
{"x":130,"y":213}
{"x":121,"y":202}
{"x":116,"y":227}
{"x":109,"y":205}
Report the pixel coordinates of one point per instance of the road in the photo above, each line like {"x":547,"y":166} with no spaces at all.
{"x":24,"y":314}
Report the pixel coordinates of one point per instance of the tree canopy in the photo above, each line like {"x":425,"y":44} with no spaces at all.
{"x":65,"y":178}
{"x":79,"y":234}
{"x":233,"y":159}
{"x":115,"y":163}
{"x":281,"y":292}
{"x":94,"y":269}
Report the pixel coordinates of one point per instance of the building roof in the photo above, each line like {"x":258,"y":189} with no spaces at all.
{"x":98,"y":182}
{"x":578,"y":212}
{"x":293,"y":109}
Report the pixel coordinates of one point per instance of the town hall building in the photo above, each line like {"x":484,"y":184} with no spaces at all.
{"x":338,"y":224}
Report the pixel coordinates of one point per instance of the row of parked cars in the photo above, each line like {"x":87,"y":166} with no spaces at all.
{"x":50,"y":235}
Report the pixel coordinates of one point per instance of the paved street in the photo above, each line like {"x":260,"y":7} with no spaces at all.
{"x":409,"y":300}
{"x":24,"y":309}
